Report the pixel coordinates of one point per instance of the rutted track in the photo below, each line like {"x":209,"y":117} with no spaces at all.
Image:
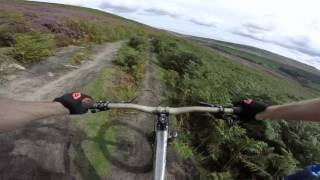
{"x":52,"y":148}
{"x":133,"y":133}
{"x":41,"y":150}
{"x":36,"y":84}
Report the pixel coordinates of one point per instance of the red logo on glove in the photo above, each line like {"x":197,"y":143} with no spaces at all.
{"x":247,"y":101}
{"x":76,"y":95}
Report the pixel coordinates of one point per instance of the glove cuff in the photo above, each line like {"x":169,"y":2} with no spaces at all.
{"x":66,"y":105}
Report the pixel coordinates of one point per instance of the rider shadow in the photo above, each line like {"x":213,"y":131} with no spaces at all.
{"x":121,"y":163}
{"x":74,"y":138}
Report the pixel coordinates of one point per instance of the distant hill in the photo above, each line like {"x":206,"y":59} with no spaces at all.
{"x":189,"y":69}
{"x":306,"y":75}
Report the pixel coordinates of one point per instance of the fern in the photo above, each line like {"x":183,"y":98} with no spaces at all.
{"x":255,"y":169}
{"x":220,"y":176}
{"x":284,"y":164}
{"x":253,"y":147}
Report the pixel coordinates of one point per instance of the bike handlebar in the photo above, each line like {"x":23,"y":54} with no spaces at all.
{"x":102,"y":106}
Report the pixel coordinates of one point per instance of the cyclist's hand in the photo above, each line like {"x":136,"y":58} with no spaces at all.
{"x":75,"y":102}
{"x":249,"y":109}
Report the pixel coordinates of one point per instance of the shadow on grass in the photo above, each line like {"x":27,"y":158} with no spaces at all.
{"x":119,"y":162}
{"x":15,"y":165}
{"x":87,"y":170}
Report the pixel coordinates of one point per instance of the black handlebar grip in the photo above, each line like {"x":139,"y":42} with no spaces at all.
{"x":98,"y":105}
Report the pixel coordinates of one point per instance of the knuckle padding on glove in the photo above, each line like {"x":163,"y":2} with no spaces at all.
{"x":250,"y":109}
{"x":73,"y":102}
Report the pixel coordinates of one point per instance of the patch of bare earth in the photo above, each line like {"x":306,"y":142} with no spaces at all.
{"x":55,"y":76}
{"x":41,"y":150}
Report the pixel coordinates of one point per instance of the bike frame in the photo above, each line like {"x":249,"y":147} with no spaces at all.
{"x":161,"y":125}
{"x":162,"y":131}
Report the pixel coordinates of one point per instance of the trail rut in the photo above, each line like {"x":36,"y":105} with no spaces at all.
{"x":41,"y":150}
{"x":52,"y":77}
{"x":132,"y":158}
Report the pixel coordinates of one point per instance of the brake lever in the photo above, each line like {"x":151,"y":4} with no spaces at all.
{"x":206,"y":104}
{"x":231,"y":119}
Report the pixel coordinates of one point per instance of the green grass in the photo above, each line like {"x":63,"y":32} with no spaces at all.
{"x":16,"y":16}
{"x":91,"y":123}
{"x":95,"y":31}
{"x":130,"y":60}
{"x":112,"y":83}
{"x":34,"y":42}
{"x":306,"y":77}
{"x":81,"y":55}
{"x":33,"y":47}
{"x":6,"y":51}
{"x":181,"y":146}
{"x":253,"y":149}
{"x":190,"y":73}
{"x":248,"y":56}
{"x":159,"y":72}
{"x":183,"y":149}
{"x":16,"y":24}
{"x":104,"y":87}
{"x":132,"y":56}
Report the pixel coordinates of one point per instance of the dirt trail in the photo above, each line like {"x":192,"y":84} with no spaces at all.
{"x":41,"y":150}
{"x":52,"y":77}
{"x":132,"y":158}
{"x":52,"y":149}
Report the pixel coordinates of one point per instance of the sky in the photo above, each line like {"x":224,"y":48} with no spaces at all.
{"x":286,"y":27}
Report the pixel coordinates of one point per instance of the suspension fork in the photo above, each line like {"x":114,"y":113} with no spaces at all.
{"x":161,"y":129}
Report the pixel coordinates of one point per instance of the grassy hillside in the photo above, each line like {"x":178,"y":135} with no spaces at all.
{"x":306,"y":75}
{"x":247,"y":150}
{"x":30,"y":32}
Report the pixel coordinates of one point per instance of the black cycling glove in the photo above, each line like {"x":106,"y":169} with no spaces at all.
{"x":75,"y":102}
{"x":249,"y":109}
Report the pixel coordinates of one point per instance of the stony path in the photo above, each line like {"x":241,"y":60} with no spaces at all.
{"x":134,"y":161}
{"x":53,"y":77}
{"x":41,"y":150}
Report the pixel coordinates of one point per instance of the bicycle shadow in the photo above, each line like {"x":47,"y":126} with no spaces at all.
{"x":143,"y":167}
{"x":73,"y":138}
{"x":105,"y":147}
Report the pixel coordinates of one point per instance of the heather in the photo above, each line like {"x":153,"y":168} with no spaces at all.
{"x":35,"y":33}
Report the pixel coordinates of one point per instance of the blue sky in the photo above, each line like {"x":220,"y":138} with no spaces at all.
{"x":287,"y":27}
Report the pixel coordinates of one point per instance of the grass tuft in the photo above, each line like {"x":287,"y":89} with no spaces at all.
{"x":33,"y":47}
{"x":132,"y":56}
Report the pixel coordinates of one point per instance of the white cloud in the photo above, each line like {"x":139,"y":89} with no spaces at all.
{"x":161,"y":12}
{"x":268,"y":33}
{"x":256,"y":31}
{"x":291,"y":28}
{"x":205,"y":20}
{"x":122,"y":8}
{"x":303,"y":44}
